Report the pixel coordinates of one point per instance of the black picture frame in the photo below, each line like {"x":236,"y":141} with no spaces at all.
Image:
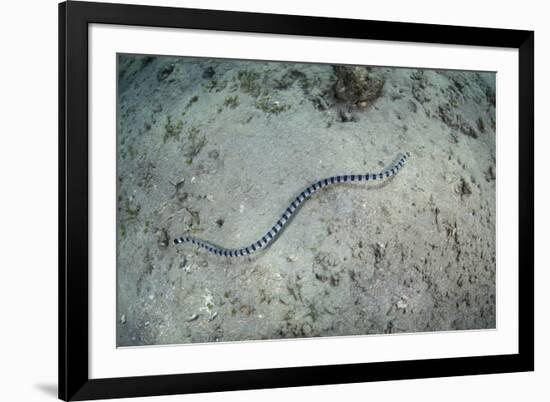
{"x":74,"y":381}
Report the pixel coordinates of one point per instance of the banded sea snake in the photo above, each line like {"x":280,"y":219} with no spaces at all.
{"x":272,"y":233}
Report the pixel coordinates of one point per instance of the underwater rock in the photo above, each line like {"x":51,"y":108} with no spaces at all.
{"x":454,"y":120}
{"x":490,"y":174}
{"x":192,"y":317}
{"x":412,"y":106}
{"x":180,"y":194}
{"x":480,"y":125}
{"x":356,"y":85}
{"x":214,"y":154}
{"x":162,"y":238}
{"x":467,"y":129}
{"x":379,"y":250}
{"x":320,"y":103}
{"x":419,"y":84}
{"x":464,"y":188}
{"x":165,"y":71}
{"x":208,"y":72}
{"x":346,"y":116}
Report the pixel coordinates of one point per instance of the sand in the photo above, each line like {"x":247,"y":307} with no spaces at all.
{"x":218,"y":148}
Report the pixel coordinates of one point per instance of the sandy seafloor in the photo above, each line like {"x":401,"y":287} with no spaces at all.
{"x":218,"y":148}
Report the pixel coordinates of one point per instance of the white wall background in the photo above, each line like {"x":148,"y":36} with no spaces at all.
{"x":28,"y":201}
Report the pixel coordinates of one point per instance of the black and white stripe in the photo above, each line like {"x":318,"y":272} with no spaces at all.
{"x":294,"y":205}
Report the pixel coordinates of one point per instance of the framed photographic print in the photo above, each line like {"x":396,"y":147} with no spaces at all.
{"x":257,"y":200}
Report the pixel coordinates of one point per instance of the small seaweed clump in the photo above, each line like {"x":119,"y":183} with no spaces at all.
{"x":172,"y":130}
{"x":194,"y":144}
{"x":269,"y":106}
{"x":356,"y":85}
